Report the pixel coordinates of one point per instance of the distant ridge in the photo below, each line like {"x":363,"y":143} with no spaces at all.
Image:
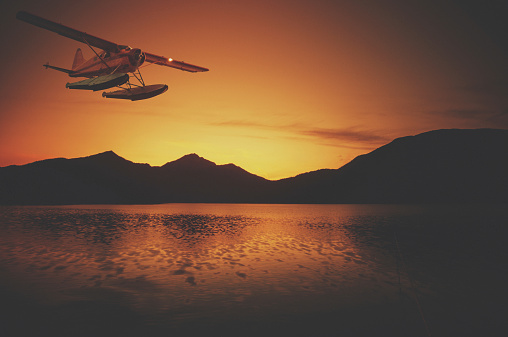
{"x":454,"y":165}
{"x":440,"y":166}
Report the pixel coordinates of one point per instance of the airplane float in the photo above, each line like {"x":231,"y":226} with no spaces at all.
{"x":111,"y":66}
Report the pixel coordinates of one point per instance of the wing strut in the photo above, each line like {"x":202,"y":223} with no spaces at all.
{"x":140,"y":78}
{"x":102,"y":60}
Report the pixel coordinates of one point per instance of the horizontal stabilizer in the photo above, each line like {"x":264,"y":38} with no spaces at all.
{"x":68,"y":71}
{"x":100,"y":82}
{"x":139,"y":93}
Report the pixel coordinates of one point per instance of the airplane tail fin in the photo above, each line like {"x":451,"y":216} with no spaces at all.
{"x":78,"y":59}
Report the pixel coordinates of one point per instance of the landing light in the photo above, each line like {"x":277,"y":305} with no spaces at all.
{"x":170,"y":59}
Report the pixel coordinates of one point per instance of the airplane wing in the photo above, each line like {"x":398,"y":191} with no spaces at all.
{"x":169,"y":62}
{"x":68,"y":32}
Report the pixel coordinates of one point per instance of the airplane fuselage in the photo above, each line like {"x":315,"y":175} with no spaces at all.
{"x":127,"y":60}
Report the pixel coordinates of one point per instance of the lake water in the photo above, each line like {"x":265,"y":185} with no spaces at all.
{"x":254,"y":270}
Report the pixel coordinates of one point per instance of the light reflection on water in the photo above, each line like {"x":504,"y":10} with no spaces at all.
{"x":187,"y":267}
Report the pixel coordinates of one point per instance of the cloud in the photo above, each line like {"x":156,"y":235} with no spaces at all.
{"x":245,"y":123}
{"x":463,"y":114}
{"x":354,"y":138}
{"x":347,"y":135}
{"x":490,"y":88}
{"x":488,"y":104}
{"x":476,"y":118}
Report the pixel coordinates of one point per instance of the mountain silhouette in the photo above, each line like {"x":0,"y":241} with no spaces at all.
{"x":437,"y":166}
{"x":107,"y":178}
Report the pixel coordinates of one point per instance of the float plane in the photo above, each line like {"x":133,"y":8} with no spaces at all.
{"x":111,"y":65}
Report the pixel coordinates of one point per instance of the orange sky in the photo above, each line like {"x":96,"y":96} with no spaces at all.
{"x":293,"y":86}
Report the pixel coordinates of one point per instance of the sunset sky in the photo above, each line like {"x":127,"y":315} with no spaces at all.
{"x":293,"y":86}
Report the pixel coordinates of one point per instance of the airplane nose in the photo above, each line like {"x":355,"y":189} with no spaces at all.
{"x":138,"y":57}
{"x":142,"y":58}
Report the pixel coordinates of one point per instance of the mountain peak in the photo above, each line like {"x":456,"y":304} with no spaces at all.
{"x":106,"y":154}
{"x":190,"y":161}
{"x":191,"y":156}
{"x":108,"y":157}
